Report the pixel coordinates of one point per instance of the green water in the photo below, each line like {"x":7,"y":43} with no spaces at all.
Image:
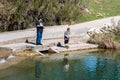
{"x":101,"y":65}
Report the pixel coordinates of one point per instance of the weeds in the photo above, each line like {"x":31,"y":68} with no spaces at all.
{"x":110,"y":38}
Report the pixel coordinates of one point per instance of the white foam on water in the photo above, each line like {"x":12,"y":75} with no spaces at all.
{"x":10,"y":56}
{"x":2,"y":61}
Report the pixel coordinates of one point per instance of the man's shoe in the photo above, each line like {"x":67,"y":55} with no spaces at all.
{"x":40,"y":44}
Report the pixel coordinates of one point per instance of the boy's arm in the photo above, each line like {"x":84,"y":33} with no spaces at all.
{"x":66,"y":34}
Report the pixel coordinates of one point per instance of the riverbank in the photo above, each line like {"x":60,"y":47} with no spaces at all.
{"x":15,"y":41}
{"x":51,"y":36}
{"x":19,"y":59}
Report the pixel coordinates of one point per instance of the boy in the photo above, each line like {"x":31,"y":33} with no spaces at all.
{"x":67,"y":36}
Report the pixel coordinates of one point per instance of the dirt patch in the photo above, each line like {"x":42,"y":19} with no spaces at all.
{"x":5,"y":53}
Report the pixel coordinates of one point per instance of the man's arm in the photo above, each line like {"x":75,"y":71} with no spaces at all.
{"x":37,"y":24}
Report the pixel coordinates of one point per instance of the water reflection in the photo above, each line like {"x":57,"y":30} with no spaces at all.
{"x":66,"y":66}
{"x":37,"y":70}
{"x":104,"y":65}
{"x":66,"y":63}
{"x":90,"y":63}
{"x":101,"y":65}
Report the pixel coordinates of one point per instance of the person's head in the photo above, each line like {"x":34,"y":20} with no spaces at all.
{"x":68,"y":29}
{"x":40,"y":19}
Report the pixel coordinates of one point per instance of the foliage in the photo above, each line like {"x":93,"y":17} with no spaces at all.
{"x":21,"y":14}
{"x":111,"y":39}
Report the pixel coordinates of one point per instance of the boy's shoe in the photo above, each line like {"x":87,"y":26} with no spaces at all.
{"x":67,"y":47}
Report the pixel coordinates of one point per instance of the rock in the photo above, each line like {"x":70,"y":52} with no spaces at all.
{"x":39,"y":53}
{"x":28,"y":53}
{"x":53,"y":50}
{"x":99,"y":30}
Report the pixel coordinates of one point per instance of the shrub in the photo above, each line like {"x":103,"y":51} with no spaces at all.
{"x":110,"y":38}
{"x":20,"y":14}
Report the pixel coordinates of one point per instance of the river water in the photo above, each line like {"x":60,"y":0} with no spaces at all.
{"x":97,"y":65}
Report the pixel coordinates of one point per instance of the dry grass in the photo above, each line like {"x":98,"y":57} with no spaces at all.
{"x":109,"y":40}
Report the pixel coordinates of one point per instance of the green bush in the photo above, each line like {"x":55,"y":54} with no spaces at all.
{"x":22,"y":14}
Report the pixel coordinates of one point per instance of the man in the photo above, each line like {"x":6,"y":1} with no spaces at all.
{"x":67,"y":36}
{"x":40,"y":28}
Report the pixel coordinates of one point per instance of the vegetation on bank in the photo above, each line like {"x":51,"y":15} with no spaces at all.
{"x":22,"y":14}
{"x":109,"y":38}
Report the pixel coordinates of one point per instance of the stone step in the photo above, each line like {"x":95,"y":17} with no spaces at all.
{"x":72,"y":47}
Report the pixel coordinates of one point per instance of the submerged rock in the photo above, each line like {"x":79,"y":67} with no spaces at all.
{"x":27,"y":53}
{"x":2,"y":61}
{"x":10,"y":56}
{"x":4,"y":53}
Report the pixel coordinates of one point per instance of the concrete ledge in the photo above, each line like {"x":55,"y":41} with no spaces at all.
{"x":51,"y":47}
{"x":18,"y":47}
{"x":73,"y":47}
